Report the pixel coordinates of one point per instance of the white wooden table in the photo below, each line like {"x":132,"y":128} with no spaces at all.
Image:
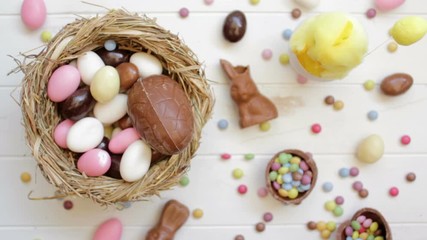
{"x":211,"y":188}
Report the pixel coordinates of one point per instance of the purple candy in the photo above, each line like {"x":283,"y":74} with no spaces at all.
{"x":367,"y":223}
{"x":339,"y":200}
{"x":371,"y":13}
{"x":275,"y":166}
{"x":357,"y":185}
{"x":354,"y":171}
{"x":276,"y":185}
{"x":305,"y":179}
{"x":308,"y":173}
{"x":303,"y":165}
{"x":267,"y":217}
{"x":361,"y":218}
{"x":348,"y":231}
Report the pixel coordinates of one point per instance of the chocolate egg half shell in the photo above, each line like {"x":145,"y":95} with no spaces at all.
{"x":371,"y":213}
{"x":161,"y":113}
{"x":311,"y":167}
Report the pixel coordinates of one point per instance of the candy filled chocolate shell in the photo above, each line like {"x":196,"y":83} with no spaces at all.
{"x":161,"y":113}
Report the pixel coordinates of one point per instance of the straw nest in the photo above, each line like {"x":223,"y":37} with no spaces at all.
{"x":40,"y":116}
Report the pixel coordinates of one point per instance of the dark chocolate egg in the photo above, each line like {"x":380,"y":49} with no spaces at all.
{"x":78,"y":105}
{"x":234,"y":26}
{"x":128,"y":73}
{"x":115,"y":57}
{"x":396,"y":84}
{"x":104,"y":144}
{"x":114,"y":170}
{"x":161,"y":113}
{"x":124,"y":122}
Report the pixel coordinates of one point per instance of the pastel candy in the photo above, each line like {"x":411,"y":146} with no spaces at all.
{"x":111,"y":111}
{"x":88,"y":64}
{"x":135,"y":161}
{"x":122,"y":140}
{"x":63,"y":82}
{"x":409,"y":30}
{"x":109,"y":230}
{"x":309,"y":4}
{"x":61,"y":131}
{"x":386,"y":5}
{"x":370,"y":149}
{"x":147,"y":64}
{"x":85,"y":134}
{"x":94,"y":162}
{"x":33,"y":13}
{"x":105,"y":84}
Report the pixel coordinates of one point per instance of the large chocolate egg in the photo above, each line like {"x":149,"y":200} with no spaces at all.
{"x":161,"y":113}
{"x":78,"y":105}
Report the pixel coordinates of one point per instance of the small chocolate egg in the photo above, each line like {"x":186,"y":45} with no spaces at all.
{"x":396,"y":84}
{"x":114,"y":170}
{"x":88,"y":64}
{"x":162,"y":113}
{"x":33,"y":13}
{"x":105,"y":84}
{"x":125,"y":122}
{"x":94,"y":162}
{"x":85,"y":134}
{"x":104,"y":143}
{"x":135,"y":161}
{"x":109,"y":230}
{"x":62,"y":83}
{"x":78,"y":105}
{"x":234,"y":27}
{"x":128,"y":73}
{"x":115,"y":57}
{"x":111,"y":111}
{"x":157,"y":157}
{"x":147,"y":64}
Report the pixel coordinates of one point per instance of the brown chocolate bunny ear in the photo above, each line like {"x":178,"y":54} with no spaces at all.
{"x":173,"y":216}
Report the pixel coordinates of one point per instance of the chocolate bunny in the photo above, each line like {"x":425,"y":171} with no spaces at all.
{"x":173,"y":216}
{"x":254,"y":108}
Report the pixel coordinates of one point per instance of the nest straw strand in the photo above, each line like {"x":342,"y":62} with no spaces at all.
{"x":40,"y":116}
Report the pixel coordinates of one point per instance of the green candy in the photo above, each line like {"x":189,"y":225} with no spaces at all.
{"x":284,"y":158}
{"x":338,"y":211}
{"x":355,"y":225}
{"x":184,"y":181}
{"x":294,"y":167}
{"x":249,"y":156}
{"x":273,"y":176}
{"x":370,"y":237}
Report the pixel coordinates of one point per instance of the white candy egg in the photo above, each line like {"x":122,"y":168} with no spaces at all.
{"x":135,"y":161}
{"x":147,"y":64}
{"x":371,"y":149}
{"x":112,"y":110}
{"x":88,"y":64}
{"x":85,"y":134}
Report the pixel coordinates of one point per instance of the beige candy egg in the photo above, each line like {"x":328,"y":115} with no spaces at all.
{"x":105,"y":84}
{"x":371,"y":149}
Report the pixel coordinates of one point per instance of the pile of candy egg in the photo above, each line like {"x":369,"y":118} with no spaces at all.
{"x":92,"y":97}
{"x":290,"y":175}
{"x":363,"y":228}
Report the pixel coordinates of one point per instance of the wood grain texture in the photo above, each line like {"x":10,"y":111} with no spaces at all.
{"x":212,"y":188}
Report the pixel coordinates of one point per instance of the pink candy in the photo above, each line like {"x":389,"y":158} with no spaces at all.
{"x":109,"y":230}
{"x":33,"y":13}
{"x":61,"y":131}
{"x":386,"y":5}
{"x":242,"y":189}
{"x":405,"y":139}
{"x":267,"y":54}
{"x":225,"y":156}
{"x":262,"y":192}
{"x":394,"y":191}
{"x":64,"y":81}
{"x":122,"y":140}
{"x":94,"y":162}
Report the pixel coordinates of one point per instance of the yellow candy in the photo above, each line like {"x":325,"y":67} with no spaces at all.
{"x":279,"y":179}
{"x":265,"y":126}
{"x":363,"y":235}
{"x":369,"y":85}
{"x":409,"y":30}
{"x":46,"y":36}
{"x":330,"y":205}
{"x":283,"y":170}
{"x":198,"y":213}
{"x":283,"y":192}
{"x":325,"y":234}
{"x":105,"y":84}
{"x":379,"y":238}
{"x":338,"y":105}
{"x":108,"y":131}
{"x":373,"y":227}
{"x":25,"y":177}
{"x":331,"y":226}
{"x":293,"y":193}
{"x":392,"y":47}
{"x":355,"y":235}
{"x":329,"y":45}
{"x":295,"y":160}
{"x":284,"y":59}
{"x":321,"y":225}
{"x":254,"y":2}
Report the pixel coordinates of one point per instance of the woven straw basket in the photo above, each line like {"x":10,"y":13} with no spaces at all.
{"x":40,"y":115}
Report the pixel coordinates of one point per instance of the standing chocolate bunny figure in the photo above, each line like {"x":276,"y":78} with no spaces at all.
{"x":254,"y":108}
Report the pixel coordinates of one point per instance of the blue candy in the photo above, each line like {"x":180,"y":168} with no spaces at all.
{"x":287,"y":186}
{"x":287,"y":34}
{"x":296,"y":183}
{"x":372,"y":115}
{"x":287,"y":178}
{"x":344,"y":172}
{"x":110,"y":45}
{"x":327,"y":186}
{"x":222,"y":124}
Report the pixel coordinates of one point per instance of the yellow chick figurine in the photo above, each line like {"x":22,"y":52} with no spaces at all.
{"x":409,"y":30}
{"x":329,"y":45}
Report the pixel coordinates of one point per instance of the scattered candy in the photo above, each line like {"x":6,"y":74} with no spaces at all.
{"x":325,"y":234}
{"x":396,"y":84}
{"x":33,"y":13}
{"x":46,"y":36}
{"x":369,"y":85}
{"x":68,"y":204}
{"x":301,"y":79}
{"x":265,"y":126}
{"x":357,"y":185}
{"x":330,"y":205}
{"x":316,"y":128}
{"x":284,"y":59}
{"x":111,"y":229}
{"x":287,"y":34}
{"x":409,"y":30}
{"x":371,"y":13}
{"x":405,"y":139}
{"x":296,"y":13}
{"x":260,"y":227}
{"x":239,"y":237}
{"x":309,"y":4}
{"x":354,"y":171}
{"x":184,"y":181}
{"x":329,"y":100}
{"x":197,"y":213}
{"x":110,"y":45}
{"x":392,"y":47}
{"x":238,"y":173}
{"x":311,"y":225}
{"x":363,"y":193}
{"x":184,"y":12}
{"x":267,"y":54}
{"x":254,"y":2}
{"x":327,"y":186}
{"x":321,"y":225}
{"x":209,"y":2}
{"x":338,"y":211}
{"x":249,"y":156}
{"x":225,"y":156}
{"x":370,"y":149}
{"x":344,"y":172}
{"x":372,"y":115}
{"x":242,"y":189}
{"x":394,"y":191}
{"x":223,"y":124}
{"x":339,"y":200}
{"x":338,"y":105}
{"x":262,"y":192}
{"x":386,"y":5}
{"x":267,"y":217}
{"x":25,"y":177}
{"x":410,"y":177}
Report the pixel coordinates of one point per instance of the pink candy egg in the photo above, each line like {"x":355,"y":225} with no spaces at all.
{"x":33,"y":13}
{"x":61,"y":131}
{"x":109,"y":230}
{"x":386,"y":5}
{"x":64,"y":81}
{"x":94,"y":162}
{"x":122,"y":140}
